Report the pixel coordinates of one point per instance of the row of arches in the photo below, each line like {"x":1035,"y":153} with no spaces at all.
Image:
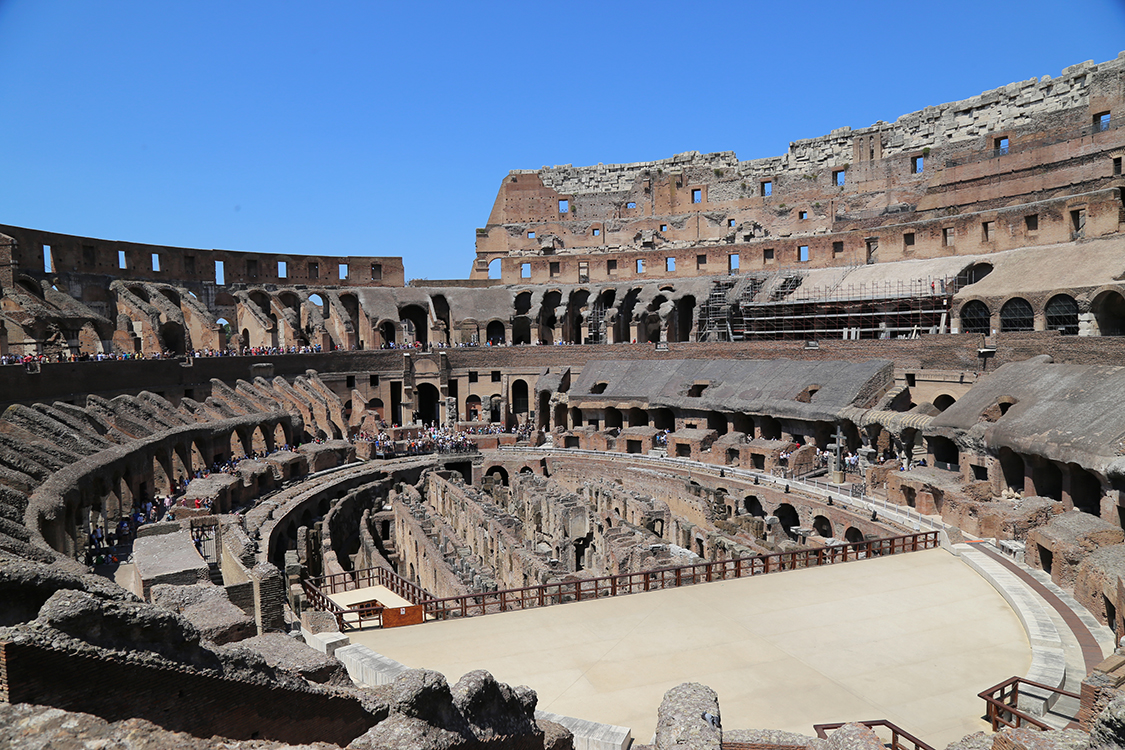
{"x":1060,"y":313}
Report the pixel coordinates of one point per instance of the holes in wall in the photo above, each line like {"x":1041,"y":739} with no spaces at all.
{"x":220,"y":273}
{"x":282,"y":269}
{"x":987,"y":231}
{"x":839,"y":177}
{"x":767,"y":188}
{"x":767,"y":255}
{"x":1101,"y":122}
{"x":1000,"y":145}
{"x":696,"y":195}
{"x":631,"y":204}
{"x":838,"y":249}
{"x":343,"y":270}
{"x":376,"y":271}
{"x":948,"y":236}
{"x":48,"y":262}
{"x":564,"y":206}
{"x":908,"y":241}
{"x":640,"y":265}
{"x":669,"y":265}
{"x":1031,"y":222}
{"x":803,"y":253}
{"x":917,"y":164}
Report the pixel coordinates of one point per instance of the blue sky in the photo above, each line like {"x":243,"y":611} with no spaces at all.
{"x":369,"y":128}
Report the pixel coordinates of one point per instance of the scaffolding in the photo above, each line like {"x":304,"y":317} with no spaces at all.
{"x":777,"y":306}
{"x":596,"y":322}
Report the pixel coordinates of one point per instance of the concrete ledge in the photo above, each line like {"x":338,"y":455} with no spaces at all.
{"x":590,"y":735}
{"x":1048,"y":659}
{"x":366,"y":667}
{"x":325,"y":643}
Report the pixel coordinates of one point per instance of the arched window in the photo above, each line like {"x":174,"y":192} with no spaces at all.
{"x":1017,"y":315}
{"x":975,"y":317}
{"x":1062,"y":314}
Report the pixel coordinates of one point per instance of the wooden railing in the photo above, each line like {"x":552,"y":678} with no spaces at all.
{"x":898,"y":734}
{"x":544,"y":595}
{"x":1003,"y":703}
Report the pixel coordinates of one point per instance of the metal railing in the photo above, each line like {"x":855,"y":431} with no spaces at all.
{"x":1003,"y":704}
{"x":544,"y":595}
{"x":898,"y":734}
{"x":364,"y":614}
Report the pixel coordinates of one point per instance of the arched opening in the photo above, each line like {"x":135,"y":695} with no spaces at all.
{"x":853,"y":535}
{"x":572,"y":326}
{"x":717,"y":422}
{"x":575,"y":417}
{"x":523,"y":303}
{"x":1062,"y":315}
{"x":1109,"y":312}
{"x":519,"y":399}
{"x":753,"y":506}
{"x":1046,"y":477}
{"x":787,"y":516}
{"x":543,"y":413}
{"x":973,"y":274}
{"x":441,"y":314}
{"x":170,"y":295}
{"x":822,"y":526}
{"x":428,"y":399}
{"x":473,"y":408}
{"x":499,"y":475}
{"x":172,"y":334}
{"x":521,"y":331}
{"x":318,"y":301}
{"x":944,"y":401}
{"x":680,"y":329}
{"x":944,"y":450}
{"x":494,"y":268}
{"x":663,"y":419}
{"x":495,"y":333}
{"x":976,"y":317}
{"x":387,"y":330}
{"x":1085,"y":490}
{"x":495,"y":407}
{"x":743,"y":423}
{"x":415,"y":323}
{"x":261,"y":300}
{"x":1017,"y":315}
{"x":375,"y":406}
{"x":612,"y":417}
{"x":770,"y":427}
{"x":1012,"y":468}
{"x":547,"y":316}
{"x":625,"y":315}
{"x":638,"y":417}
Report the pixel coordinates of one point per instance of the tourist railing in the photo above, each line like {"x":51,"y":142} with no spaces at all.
{"x":367,"y":577}
{"x":543,"y":595}
{"x":899,"y":736}
{"x":1003,"y":703}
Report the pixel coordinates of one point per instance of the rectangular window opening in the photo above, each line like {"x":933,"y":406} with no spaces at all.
{"x":1001,"y":145}
{"x":908,"y":240}
{"x":343,"y":271}
{"x":631,"y":204}
{"x":525,"y":270}
{"x":282,"y":269}
{"x":555,"y":269}
{"x":1117,"y":166}
{"x":564,"y":206}
{"x":376,"y":271}
{"x":987,"y":231}
{"x":767,"y":255}
{"x":89,"y":256}
{"x":220,"y":273}
{"x":838,"y":249}
{"x":948,"y":237}
{"x":1101,"y":122}
{"x":767,"y":188}
{"x":1078,"y":222}
{"x":48,"y":262}
{"x":700,"y":261}
{"x":472,"y":376}
{"x":314,"y":270}
{"x":597,"y":232}
{"x":732,"y":262}
{"x":121,"y":262}
{"x":663,"y":227}
{"x":802,"y":214}
{"x":531,"y":235}
{"x":252,"y":268}
{"x":495,"y":376}
{"x":1031,"y":222}
{"x":839,"y":177}
{"x":696,"y":195}
{"x":669,"y":264}
{"x":917,"y":164}
{"x":640,"y":265}
{"x":156,"y":262}
{"x":730,"y":222}
{"x":189,"y":264}
{"x":611,"y":267}
{"x":803,"y":253}
{"x":583,"y":272}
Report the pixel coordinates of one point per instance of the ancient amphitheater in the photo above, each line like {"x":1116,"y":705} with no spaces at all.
{"x":703,"y":453}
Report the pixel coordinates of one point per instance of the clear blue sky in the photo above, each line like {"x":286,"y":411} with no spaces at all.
{"x":385,"y":129}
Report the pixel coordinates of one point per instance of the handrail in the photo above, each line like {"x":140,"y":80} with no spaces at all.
{"x":822,"y":731}
{"x":1003,"y":703}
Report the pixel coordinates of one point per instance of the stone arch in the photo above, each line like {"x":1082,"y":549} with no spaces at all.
{"x":1011,"y":469}
{"x":770,"y":427}
{"x":1108,"y":309}
{"x":976,"y":317}
{"x":787,"y":516}
{"x":1046,"y":478}
{"x":521,"y":330}
{"x":415,"y":321}
{"x":822,"y":526}
{"x":428,"y":403}
{"x":172,"y":334}
{"x":717,"y":421}
{"x":853,"y":535}
{"x":498,"y":473}
{"x":260,"y":440}
{"x":1085,"y":489}
{"x":494,"y":333}
{"x":388,"y":332}
{"x":575,"y":417}
{"x":279,"y":436}
{"x":944,"y":401}
{"x":753,"y":506}
{"x":613,"y":417}
{"x":1061,"y":314}
{"x":663,"y":419}
{"x":473,"y":410}
{"x":519,"y":398}
{"x":1017,"y":315}
{"x":638,"y":417}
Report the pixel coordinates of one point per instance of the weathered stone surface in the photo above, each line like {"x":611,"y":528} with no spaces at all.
{"x":689,"y":717}
{"x":853,"y":737}
{"x":492,"y":708}
{"x":1108,"y":730}
{"x":284,"y":652}
{"x":208,"y":608}
{"x":1032,"y":739}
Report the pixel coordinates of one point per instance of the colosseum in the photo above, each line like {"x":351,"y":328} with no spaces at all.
{"x":822,"y":450}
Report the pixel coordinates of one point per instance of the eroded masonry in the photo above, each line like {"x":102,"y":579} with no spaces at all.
{"x":882,"y":341}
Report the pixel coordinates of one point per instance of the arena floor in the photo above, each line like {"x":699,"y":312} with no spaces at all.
{"x":911,"y":638}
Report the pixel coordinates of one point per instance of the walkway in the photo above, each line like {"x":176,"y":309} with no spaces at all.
{"x":911,"y":638}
